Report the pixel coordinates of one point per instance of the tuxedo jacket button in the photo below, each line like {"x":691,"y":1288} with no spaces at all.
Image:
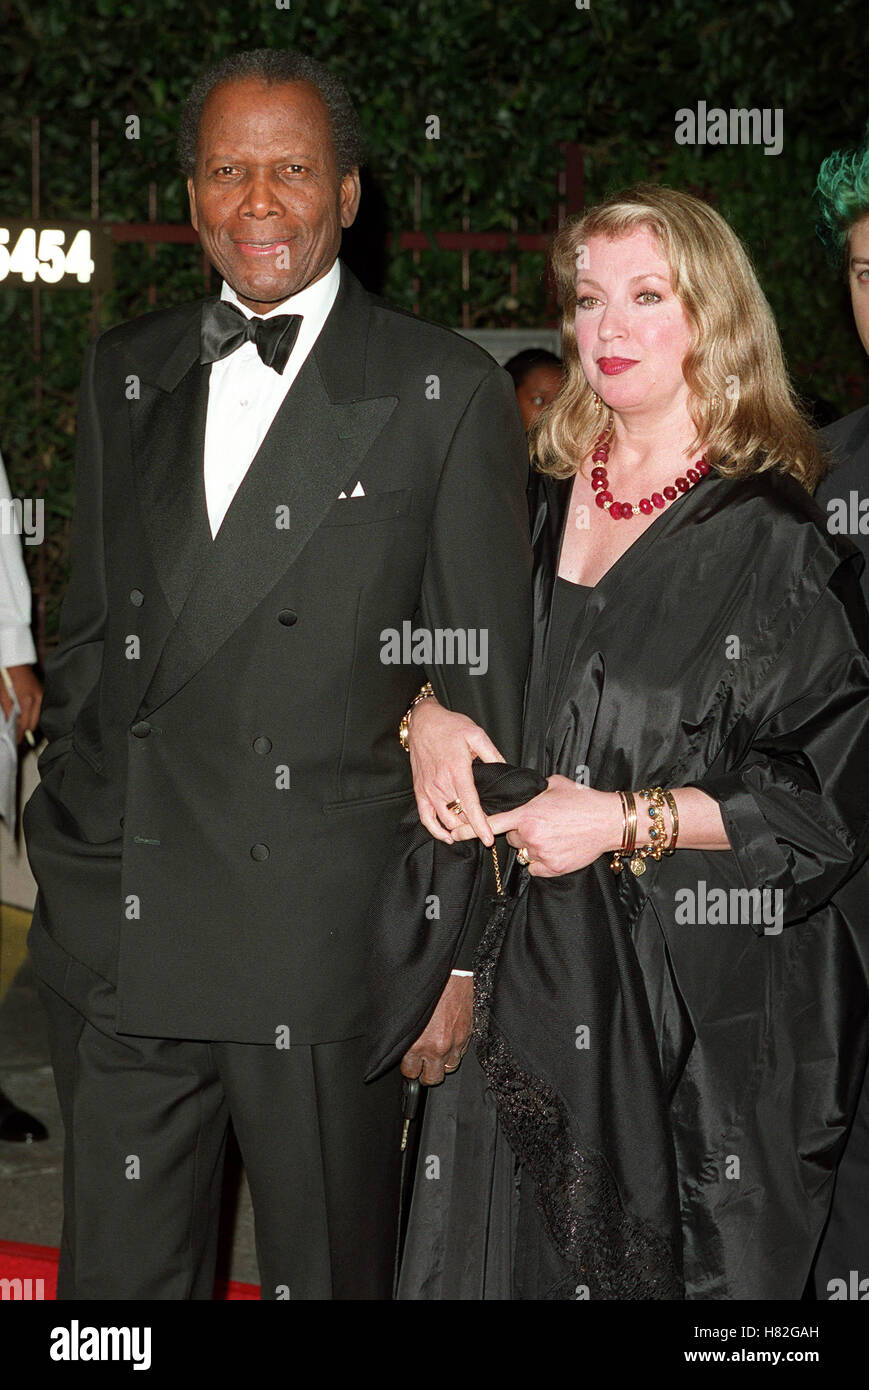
{"x":141,"y":730}
{"x":288,"y":617}
{"x":137,"y":598}
{"x":262,"y":745}
{"x":259,"y":852}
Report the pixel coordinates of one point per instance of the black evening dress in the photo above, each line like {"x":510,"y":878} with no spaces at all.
{"x":665,"y":1066}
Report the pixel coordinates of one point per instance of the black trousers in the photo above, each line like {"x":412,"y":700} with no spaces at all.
{"x":146,"y":1124}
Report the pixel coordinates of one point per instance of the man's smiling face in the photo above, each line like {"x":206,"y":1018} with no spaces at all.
{"x":266,"y":197}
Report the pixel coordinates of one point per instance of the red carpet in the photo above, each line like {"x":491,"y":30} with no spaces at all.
{"x":39,"y":1262}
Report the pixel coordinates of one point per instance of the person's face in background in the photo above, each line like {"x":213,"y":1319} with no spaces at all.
{"x":536,"y":389}
{"x":858,"y":276}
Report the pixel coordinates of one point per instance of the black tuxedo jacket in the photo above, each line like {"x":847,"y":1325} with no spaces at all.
{"x":848,"y":440}
{"x":194,"y":678}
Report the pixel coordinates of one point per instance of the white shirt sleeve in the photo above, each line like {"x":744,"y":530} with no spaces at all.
{"x":16,"y":641}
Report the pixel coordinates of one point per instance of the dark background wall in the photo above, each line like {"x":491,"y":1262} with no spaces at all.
{"x":509,"y":82}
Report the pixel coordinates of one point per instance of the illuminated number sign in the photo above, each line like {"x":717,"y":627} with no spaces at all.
{"x":55,"y":253}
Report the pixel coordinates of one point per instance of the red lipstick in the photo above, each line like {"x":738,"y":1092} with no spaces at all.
{"x":611,"y":366}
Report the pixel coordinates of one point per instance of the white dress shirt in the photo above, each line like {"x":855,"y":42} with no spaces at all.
{"x":244,"y":395}
{"x":16,"y":640}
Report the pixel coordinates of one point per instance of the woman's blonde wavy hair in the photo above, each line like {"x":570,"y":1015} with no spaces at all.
{"x":759,"y":425}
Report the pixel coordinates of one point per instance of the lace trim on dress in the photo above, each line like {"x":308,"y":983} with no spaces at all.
{"x":613,"y":1254}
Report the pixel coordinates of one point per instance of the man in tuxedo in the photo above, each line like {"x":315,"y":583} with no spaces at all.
{"x":261,"y":503}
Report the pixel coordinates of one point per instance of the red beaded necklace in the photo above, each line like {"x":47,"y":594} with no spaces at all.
{"x":646,"y":505}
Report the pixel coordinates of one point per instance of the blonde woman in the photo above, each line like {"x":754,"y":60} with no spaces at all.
{"x":672,"y":1025}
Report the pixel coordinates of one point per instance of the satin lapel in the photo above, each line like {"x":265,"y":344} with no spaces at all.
{"x":310,"y":454}
{"x":168,"y":434}
{"x":549,"y":502}
{"x":555,"y":690}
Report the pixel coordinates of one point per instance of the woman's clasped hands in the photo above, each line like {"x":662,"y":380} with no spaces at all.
{"x":564,"y":828}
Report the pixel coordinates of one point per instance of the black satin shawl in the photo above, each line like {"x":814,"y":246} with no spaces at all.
{"x":728,"y":649}
{"x":597,"y":1138}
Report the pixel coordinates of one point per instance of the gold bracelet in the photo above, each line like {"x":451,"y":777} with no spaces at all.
{"x":658,"y":828}
{"x":657,"y":845}
{"x":674,"y":815}
{"x":425,"y":693}
{"x":624,"y":800}
{"x":630,"y":840}
{"x":629,"y":832}
{"x":616,"y":861}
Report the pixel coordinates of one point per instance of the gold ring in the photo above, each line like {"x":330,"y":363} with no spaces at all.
{"x":455,"y":807}
{"x":455,"y":1068}
{"x":523,"y":857}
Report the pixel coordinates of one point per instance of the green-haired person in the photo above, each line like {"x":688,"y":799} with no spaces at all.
{"x":843,"y":225}
{"x":843,"y":194}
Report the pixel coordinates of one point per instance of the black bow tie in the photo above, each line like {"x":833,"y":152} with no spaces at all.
{"x":225,"y":328}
